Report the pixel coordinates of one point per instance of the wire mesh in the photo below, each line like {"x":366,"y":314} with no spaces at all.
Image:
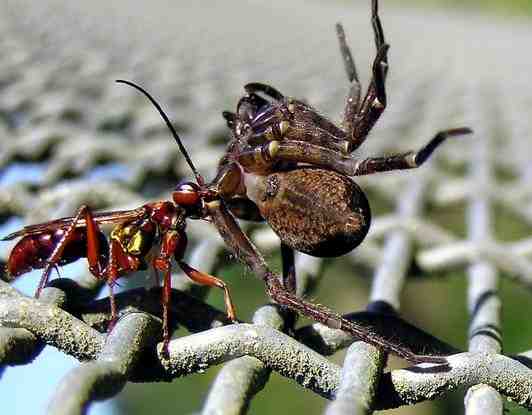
{"x":92,"y":142}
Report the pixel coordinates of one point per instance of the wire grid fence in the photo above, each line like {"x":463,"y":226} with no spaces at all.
{"x":59,"y":107}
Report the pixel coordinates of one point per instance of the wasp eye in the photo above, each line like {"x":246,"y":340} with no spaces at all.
{"x":186,"y":194}
{"x":187,"y":187}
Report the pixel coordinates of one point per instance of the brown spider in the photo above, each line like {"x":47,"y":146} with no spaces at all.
{"x":316,"y":209}
{"x":289,"y":165}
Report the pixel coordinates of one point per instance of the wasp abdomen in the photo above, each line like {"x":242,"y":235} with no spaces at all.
{"x":315,"y":211}
{"x":33,"y":251}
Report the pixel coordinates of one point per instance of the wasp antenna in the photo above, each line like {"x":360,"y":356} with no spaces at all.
{"x":199,"y":178}
{"x":10,"y":236}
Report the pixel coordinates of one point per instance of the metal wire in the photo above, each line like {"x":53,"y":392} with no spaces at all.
{"x":483,"y":300}
{"x":60,"y":110}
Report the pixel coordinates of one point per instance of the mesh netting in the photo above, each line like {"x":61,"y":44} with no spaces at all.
{"x":69,"y":136}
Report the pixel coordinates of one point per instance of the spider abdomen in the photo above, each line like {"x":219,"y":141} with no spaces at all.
{"x":315,"y":211}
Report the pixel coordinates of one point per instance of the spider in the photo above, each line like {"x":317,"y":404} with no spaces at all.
{"x":292,"y":167}
{"x":294,"y":162}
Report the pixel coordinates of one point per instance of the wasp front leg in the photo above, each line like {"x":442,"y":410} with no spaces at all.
{"x":174,"y":244}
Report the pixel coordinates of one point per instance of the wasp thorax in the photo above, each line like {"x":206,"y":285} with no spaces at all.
{"x":315,"y":211}
{"x":135,"y":239}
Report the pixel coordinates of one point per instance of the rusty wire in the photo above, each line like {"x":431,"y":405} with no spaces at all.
{"x":58,"y":105}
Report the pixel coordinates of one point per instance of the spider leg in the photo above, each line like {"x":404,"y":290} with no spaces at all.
{"x":249,"y":255}
{"x":230,"y":118}
{"x":377,"y":25}
{"x":266,"y":155}
{"x":289,"y":282}
{"x":289,"y":268}
{"x":268,"y":90}
{"x":353,"y":98}
{"x":359,"y":118}
{"x":407,"y":160}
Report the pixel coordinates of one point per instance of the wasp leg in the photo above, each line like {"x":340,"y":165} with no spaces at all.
{"x":171,"y":241}
{"x":118,"y":261}
{"x":211,"y":281}
{"x":93,"y":245}
{"x":164,"y":265}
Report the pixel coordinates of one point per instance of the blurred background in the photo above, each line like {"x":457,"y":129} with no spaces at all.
{"x":69,"y":135}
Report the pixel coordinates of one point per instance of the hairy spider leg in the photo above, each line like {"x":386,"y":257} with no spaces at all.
{"x":243,"y":248}
{"x":407,"y":160}
{"x":254,"y":87}
{"x":304,"y":152}
{"x":360,"y":117}
{"x":289,"y":268}
{"x":352,"y":104}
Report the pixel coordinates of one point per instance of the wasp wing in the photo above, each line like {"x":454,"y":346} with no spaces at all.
{"x":100,"y":218}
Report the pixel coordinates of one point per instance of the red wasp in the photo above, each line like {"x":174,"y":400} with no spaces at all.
{"x":127,"y":249}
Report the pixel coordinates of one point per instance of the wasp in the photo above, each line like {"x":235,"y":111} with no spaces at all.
{"x":128,"y":247}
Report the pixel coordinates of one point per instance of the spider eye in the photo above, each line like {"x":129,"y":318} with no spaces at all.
{"x":186,"y":194}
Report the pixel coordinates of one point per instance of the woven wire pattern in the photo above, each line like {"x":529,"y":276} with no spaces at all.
{"x":59,"y":107}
